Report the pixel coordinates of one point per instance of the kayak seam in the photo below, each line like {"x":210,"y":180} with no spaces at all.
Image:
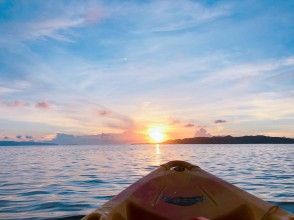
{"x":158,"y":196}
{"x":208,"y":195}
{"x":270,"y":211}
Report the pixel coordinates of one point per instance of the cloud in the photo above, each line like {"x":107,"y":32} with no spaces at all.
{"x":121,"y":121}
{"x":103,"y":138}
{"x":40,"y":29}
{"x":202,"y":133}
{"x":118,"y":125}
{"x":15,"y":104}
{"x":104,"y":112}
{"x":55,"y":22}
{"x":51,"y":28}
{"x":42,"y":105}
{"x":22,"y":125}
{"x":5,"y":90}
{"x":174,"y":121}
{"x":59,"y":20}
{"x":250,"y":70}
{"x":219,"y":121}
{"x":21,"y":104}
{"x":189,"y":125}
{"x":95,"y":14}
{"x":165,"y":16}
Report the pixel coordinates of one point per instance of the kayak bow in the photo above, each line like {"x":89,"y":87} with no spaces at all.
{"x":179,"y":190}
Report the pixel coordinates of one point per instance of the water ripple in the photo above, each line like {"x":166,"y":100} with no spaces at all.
{"x":66,"y":182}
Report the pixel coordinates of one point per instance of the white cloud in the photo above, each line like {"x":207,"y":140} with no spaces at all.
{"x":53,"y":23}
{"x":166,"y":16}
{"x":50,"y":28}
{"x":249,"y":70}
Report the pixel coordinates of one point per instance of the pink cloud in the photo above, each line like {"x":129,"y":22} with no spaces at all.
{"x":114,"y":120}
{"x":202,"y":133}
{"x":189,"y":125}
{"x":16,"y":104}
{"x":42,"y":105}
{"x":95,"y":14}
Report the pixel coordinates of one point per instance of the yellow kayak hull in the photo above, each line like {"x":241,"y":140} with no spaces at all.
{"x":179,"y":190}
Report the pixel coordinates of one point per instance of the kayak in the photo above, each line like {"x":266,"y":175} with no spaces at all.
{"x":179,"y":190}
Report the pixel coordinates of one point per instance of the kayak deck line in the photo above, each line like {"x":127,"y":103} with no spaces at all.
{"x":178,"y":190}
{"x":157,"y":199}
{"x":208,"y":195}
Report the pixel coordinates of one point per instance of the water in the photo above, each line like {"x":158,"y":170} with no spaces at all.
{"x":41,"y":182}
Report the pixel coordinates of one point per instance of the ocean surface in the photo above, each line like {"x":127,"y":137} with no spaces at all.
{"x":57,"y":182}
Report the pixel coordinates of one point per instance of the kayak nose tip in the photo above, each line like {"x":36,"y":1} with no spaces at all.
{"x":178,"y":168}
{"x":178,"y":165}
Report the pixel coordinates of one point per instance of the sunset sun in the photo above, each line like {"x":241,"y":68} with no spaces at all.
{"x":156,"y":134}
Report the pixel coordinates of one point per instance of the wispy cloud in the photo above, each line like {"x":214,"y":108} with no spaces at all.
{"x":250,"y":70}
{"x":174,"y":121}
{"x":42,"y":105}
{"x":16,"y":104}
{"x":50,"y":29}
{"x":219,"y":121}
{"x":119,"y":121}
{"x":54,"y":23}
{"x":5,"y":90}
{"x":189,"y":125}
{"x":22,"y":104}
{"x":165,"y":16}
{"x":104,"y":112}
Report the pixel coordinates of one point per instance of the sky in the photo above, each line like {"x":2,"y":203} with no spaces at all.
{"x":191,"y":68}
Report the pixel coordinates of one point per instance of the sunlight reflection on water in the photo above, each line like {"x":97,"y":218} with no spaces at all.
{"x":55,"y":181}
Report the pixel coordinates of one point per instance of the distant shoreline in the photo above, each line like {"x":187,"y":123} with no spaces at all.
{"x":24,"y":143}
{"x":258,"y":139}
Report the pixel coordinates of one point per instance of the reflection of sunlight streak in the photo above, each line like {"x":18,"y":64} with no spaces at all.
{"x":157,"y":156}
{"x":158,"y":149}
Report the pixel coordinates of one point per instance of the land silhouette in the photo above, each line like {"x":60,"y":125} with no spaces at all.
{"x":258,"y":139}
{"x":23,"y":143}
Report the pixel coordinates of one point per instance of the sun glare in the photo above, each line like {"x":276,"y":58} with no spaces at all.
{"x":156,"y":134}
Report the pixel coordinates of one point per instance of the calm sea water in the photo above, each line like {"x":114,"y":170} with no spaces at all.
{"x":41,"y":182}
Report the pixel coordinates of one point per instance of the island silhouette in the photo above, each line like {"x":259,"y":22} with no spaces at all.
{"x":257,"y":139}
{"x":24,"y":143}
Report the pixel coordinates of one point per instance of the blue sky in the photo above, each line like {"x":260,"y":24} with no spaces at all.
{"x":86,"y":67}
